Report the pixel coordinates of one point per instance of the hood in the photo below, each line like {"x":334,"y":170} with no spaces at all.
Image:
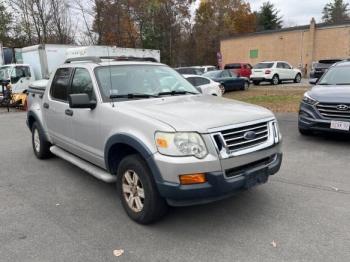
{"x":331,"y":94}
{"x":198,"y":112}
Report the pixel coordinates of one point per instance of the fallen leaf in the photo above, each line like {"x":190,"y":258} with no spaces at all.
{"x":57,"y":204}
{"x":273,"y":243}
{"x":335,"y":188}
{"x":118,"y":252}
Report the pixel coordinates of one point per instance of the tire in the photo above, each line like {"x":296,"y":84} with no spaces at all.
{"x":256,"y":83}
{"x":134,"y":181}
{"x":275,"y":80}
{"x":297,"y":78}
{"x":246,"y":86}
{"x":305,"y":132}
{"x":41,"y":146}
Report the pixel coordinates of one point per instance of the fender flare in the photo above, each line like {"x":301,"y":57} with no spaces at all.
{"x":139,"y":146}
{"x":36,"y":118}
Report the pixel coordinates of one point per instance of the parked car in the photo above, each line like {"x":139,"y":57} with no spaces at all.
{"x":161,"y":142}
{"x":207,"y":68}
{"x":240,"y":69}
{"x":230,"y":81}
{"x":189,"y":70}
{"x":205,"y":85}
{"x":274,"y":72}
{"x":326,"y":107}
{"x":319,"y":68}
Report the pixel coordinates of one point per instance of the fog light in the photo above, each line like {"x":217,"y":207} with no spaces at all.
{"x":192,"y":179}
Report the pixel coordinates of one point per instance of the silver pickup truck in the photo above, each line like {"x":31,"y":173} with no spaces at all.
{"x":142,"y":125}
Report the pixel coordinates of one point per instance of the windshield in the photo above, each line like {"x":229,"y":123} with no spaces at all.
{"x":339,"y":75}
{"x":5,"y":72}
{"x":140,"y":80}
{"x":263,"y":65}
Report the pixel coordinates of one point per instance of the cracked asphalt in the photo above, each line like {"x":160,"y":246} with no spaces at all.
{"x":53,"y":211}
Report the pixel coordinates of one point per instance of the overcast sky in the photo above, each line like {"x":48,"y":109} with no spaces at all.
{"x":295,"y":12}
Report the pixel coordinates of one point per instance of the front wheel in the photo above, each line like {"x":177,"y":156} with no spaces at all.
{"x":256,"y":83}
{"x":138,"y":192}
{"x":297,"y":78}
{"x":41,"y":146}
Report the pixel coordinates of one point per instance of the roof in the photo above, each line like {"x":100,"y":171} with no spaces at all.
{"x":287,"y":29}
{"x":109,"y":63}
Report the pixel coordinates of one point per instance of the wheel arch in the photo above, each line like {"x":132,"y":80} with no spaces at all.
{"x":121,"y":145}
{"x":31,"y":119}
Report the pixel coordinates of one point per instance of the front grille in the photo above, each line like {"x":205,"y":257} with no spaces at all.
{"x":332,"y":111}
{"x":235,"y":138}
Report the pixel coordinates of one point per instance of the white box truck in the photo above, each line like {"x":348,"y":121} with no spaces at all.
{"x":112,"y":51}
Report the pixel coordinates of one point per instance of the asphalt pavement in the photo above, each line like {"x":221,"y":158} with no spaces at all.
{"x":53,"y":211}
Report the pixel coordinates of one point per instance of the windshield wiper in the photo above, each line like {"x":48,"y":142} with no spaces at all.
{"x":342,"y":84}
{"x":132,"y":96}
{"x":173,"y":93}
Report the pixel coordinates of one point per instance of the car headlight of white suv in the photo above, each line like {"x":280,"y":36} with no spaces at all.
{"x":181,"y":144}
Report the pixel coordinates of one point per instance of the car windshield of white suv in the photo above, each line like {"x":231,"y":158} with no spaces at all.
{"x":339,"y":75}
{"x":263,"y":66}
{"x":141,"y":81}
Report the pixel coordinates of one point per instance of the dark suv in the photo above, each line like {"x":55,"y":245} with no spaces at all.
{"x":320,"y":67}
{"x":326,"y":107}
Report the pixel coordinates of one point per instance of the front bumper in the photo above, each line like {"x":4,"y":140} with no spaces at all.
{"x":310,"y":119}
{"x":222,"y":184}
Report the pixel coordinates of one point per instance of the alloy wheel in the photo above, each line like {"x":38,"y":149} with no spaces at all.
{"x":133,"y":191}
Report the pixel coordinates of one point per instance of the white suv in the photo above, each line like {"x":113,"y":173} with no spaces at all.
{"x":275,"y":72}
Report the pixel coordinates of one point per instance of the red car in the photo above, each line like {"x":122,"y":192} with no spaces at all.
{"x":240,"y":69}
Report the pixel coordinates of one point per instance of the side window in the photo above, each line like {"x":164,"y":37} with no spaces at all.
{"x":280,"y":65}
{"x":82,"y":83}
{"x":202,"y":81}
{"x":286,"y":66}
{"x":225,"y":74}
{"x":192,"y":80}
{"x":60,"y":84}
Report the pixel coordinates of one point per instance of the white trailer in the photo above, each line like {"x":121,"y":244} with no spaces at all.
{"x":105,"y":51}
{"x":44,"y":59}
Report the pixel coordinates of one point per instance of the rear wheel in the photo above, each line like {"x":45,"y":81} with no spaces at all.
{"x":275,"y":80}
{"x":138,"y":192}
{"x":41,"y":146}
{"x":297,"y":78}
{"x":246,"y":86}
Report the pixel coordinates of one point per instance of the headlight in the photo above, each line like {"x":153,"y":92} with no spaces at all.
{"x":276,"y":131}
{"x":309,"y":100}
{"x":181,"y":144}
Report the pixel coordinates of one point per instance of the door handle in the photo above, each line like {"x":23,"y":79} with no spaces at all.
{"x":69,"y":112}
{"x":46,"y":105}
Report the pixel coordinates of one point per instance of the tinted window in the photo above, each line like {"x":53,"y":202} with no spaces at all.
{"x":60,"y":84}
{"x":225,"y":74}
{"x":201,"y":81}
{"x":212,"y":74}
{"x":280,"y":65}
{"x":286,"y":66}
{"x":82,"y":83}
{"x":263,"y":65}
{"x":192,"y":80}
{"x":233,"y":66}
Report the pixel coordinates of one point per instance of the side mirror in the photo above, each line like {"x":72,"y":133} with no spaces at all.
{"x":313,"y":81}
{"x":81,"y":101}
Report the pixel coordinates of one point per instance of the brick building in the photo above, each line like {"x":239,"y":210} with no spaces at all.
{"x":299,"y":45}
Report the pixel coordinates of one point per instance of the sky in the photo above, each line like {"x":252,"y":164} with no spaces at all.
{"x":294,"y":12}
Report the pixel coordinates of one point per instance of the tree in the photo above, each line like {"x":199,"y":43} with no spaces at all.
{"x":268,"y":17}
{"x":216,"y":20}
{"x":5,"y":25}
{"x":336,"y":12}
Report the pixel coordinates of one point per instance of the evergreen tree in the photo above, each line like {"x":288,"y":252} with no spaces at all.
{"x":268,"y":17}
{"x":336,"y":12}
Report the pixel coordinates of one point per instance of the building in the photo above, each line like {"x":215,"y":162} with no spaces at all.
{"x":299,"y":45}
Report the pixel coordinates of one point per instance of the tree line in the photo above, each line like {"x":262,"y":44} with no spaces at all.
{"x":184,"y":36}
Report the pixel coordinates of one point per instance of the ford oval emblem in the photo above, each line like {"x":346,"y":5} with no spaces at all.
{"x":342,"y":107}
{"x":250,"y":135}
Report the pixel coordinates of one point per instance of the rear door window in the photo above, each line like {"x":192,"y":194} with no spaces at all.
{"x":280,"y":65}
{"x":286,"y":66}
{"x":201,"y":81}
{"x":60,"y":84}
